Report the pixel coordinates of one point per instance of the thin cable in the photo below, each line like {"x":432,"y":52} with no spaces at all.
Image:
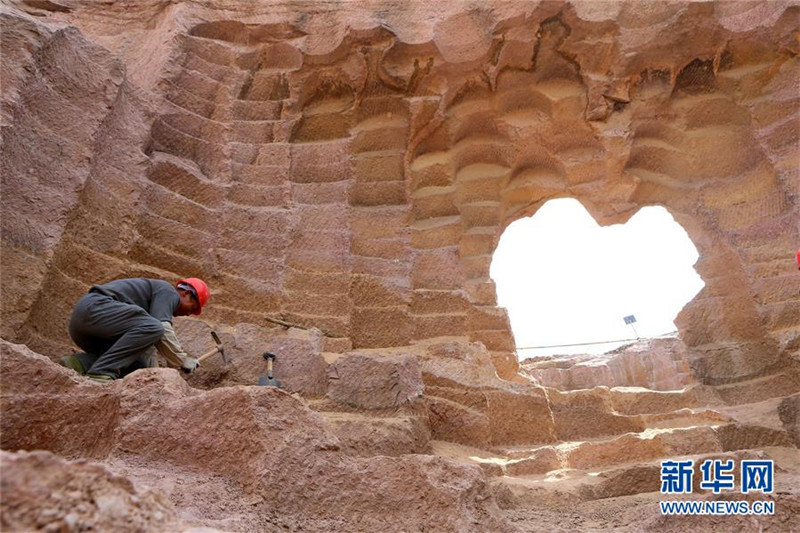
{"x":592,"y":343}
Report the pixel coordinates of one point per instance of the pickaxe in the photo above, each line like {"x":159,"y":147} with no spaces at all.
{"x":219,"y":348}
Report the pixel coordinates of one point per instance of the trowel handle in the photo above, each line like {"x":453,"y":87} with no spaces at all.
{"x":270,"y":357}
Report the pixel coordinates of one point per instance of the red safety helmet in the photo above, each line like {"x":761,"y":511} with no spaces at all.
{"x":200,"y":290}
{"x":798,"y":258}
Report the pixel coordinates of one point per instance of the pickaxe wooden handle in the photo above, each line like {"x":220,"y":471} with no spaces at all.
{"x":219,"y":349}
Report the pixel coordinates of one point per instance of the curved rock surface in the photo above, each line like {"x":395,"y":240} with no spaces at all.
{"x":349,"y":169}
{"x":352,"y":168}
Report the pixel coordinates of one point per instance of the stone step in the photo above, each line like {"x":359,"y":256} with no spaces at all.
{"x":462,"y":109}
{"x":322,"y":127}
{"x":211,"y":50}
{"x":759,"y":389}
{"x":252,"y":265}
{"x":381,"y":122}
{"x":481,"y":171}
{"x":199,"y":84}
{"x":432,"y":202}
{"x":154,"y":253}
{"x":182,"y":237}
{"x":635,"y":448}
{"x":220,"y":312}
{"x":523,"y":97}
{"x":378,"y":291}
{"x":335,"y":326}
{"x":393,"y":138}
{"x":429,"y":159}
{"x":371,"y":434}
{"x":265,"y":86}
{"x":641,"y":401}
{"x":252,"y":131}
{"x":499,"y":340}
{"x":259,"y":195}
{"x":488,"y":317}
{"x":438,"y":325}
{"x":248,"y":110}
{"x":476,"y":267}
{"x":434,"y":175}
{"x":588,"y":414}
{"x":378,"y":166}
{"x":436,"y":232}
{"x":483,"y":213}
{"x":629,"y":448}
{"x":601,"y":414}
{"x":170,"y":140}
{"x":187,"y":100}
{"x":215,"y":71}
{"x":185,"y":178}
{"x":369,"y":194}
{"x":489,"y":462}
{"x":304,"y":303}
{"x":780,"y":139}
{"x":248,"y":294}
{"x":685,"y":418}
{"x":259,"y":174}
{"x":382,"y":152}
{"x":378,"y":266}
{"x":387,"y":249}
{"x":657,"y":164}
{"x":479,"y":241}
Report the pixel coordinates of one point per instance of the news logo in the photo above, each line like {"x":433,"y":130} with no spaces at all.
{"x":717,"y":476}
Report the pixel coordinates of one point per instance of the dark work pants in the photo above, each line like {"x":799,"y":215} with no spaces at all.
{"x":117,"y":337}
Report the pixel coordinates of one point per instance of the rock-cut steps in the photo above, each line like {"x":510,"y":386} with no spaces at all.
{"x":548,"y":452}
{"x":623,"y":459}
{"x":569,"y":472}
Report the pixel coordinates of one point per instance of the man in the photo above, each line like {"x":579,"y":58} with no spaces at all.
{"x":117,"y":325}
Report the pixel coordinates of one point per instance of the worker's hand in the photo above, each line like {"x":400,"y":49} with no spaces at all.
{"x":190,"y":364}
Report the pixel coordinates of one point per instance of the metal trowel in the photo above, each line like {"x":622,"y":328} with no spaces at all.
{"x":269,"y":380}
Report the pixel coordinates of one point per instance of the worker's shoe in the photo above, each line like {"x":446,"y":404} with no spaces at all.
{"x":100,"y":378}
{"x":72,"y":361}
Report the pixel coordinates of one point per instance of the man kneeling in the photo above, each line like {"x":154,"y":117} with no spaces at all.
{"x":118,"y":324}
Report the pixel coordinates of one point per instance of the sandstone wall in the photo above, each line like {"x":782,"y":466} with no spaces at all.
{"x":60,"y":97}
{"x":353,"y":169}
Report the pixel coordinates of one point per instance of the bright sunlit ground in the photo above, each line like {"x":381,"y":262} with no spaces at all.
{"x":566,"y":280}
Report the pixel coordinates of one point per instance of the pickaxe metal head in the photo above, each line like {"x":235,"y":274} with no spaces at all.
{"x":220,"y":347}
